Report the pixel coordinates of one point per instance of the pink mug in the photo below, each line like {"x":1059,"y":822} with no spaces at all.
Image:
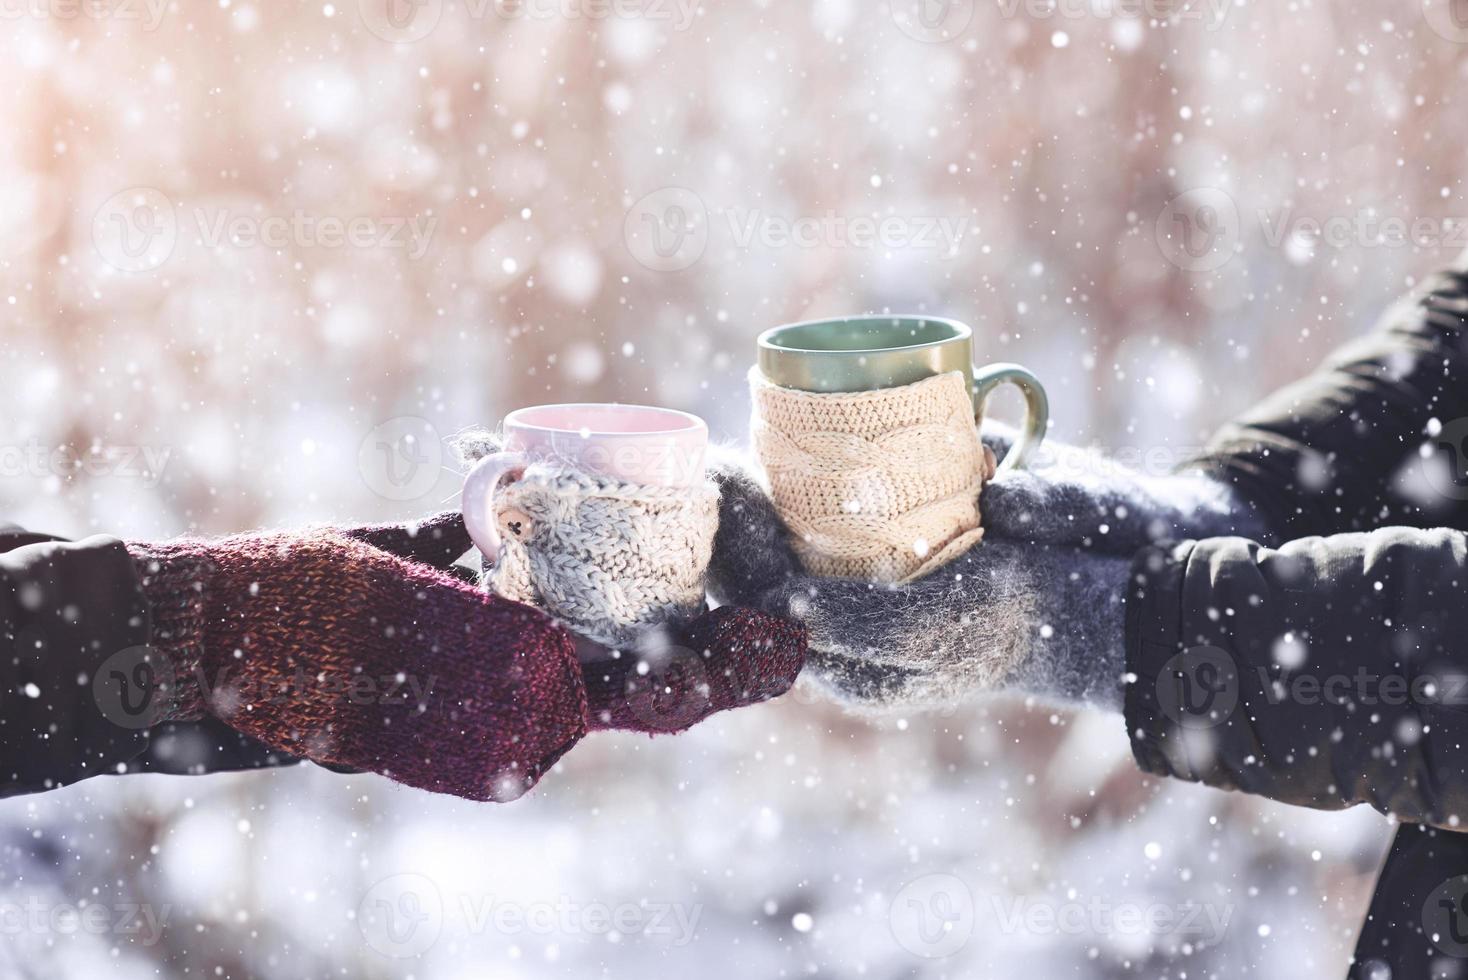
{"x":638,"y":444}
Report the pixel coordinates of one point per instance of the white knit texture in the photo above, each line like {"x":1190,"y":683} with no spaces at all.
{"x":605,"y":558}
{"x":879,"y":485}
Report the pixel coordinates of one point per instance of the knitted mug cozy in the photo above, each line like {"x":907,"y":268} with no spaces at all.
{"x":606,"y":558}
{"x":880,"y":485}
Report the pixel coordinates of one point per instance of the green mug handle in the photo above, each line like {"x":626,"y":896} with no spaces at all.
{"x":1037,"y":408}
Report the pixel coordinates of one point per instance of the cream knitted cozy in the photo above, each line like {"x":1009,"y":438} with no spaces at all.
{"x":879,"y":485}
{"x":608,"y":559}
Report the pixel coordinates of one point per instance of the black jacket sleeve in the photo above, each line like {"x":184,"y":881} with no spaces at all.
{"x":1325,"y":673}
{"x":1377,"y":437}
{"x":72,"y":620}
{"x":65,"y":608}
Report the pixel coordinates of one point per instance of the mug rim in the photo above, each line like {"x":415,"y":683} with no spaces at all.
{"x":691,"y":423}
{"x":961,"y":331}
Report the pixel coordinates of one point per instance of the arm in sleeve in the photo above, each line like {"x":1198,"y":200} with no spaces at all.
{"x":66,"y":608}
{"x":74,"y":624}
{"x":1325,"y":673}
{"x":1341,"y":450}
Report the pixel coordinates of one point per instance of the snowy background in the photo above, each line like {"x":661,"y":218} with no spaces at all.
{"x":256,"y":261}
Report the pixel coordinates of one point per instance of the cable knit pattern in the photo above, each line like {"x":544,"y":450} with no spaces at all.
{"x":877,"y":485}
{"x":605,"y":558}
{"x":326,"y":647}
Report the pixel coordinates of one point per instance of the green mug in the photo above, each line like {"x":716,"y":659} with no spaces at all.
{"x":867,"y":353}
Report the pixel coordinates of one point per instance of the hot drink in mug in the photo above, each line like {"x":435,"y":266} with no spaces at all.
{"x":867,"y":428}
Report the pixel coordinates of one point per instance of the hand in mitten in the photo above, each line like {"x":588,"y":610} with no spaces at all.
{"x":676,"y":677}
{"x":358,"y":648}
{"x":664,"y":677}
{"x":1080,"y":497}
{"x":1045,"y":620}
{"x":323,"y":645}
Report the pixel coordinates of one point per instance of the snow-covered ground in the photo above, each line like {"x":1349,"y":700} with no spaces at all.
{"x":243,"y":247}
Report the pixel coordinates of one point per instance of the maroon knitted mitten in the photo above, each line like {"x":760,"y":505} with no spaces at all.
{"x":357,"y":648}
{"x":727,"y":658}
{"x":321,"y":645}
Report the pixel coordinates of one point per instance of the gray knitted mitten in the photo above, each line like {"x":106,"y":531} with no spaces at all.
{"x":1080,"y":497}
{"x":1044,"y":620}
{"x":1036,"y":608}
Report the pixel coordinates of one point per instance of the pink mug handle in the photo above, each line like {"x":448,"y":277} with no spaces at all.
{"x":478,"y":502}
